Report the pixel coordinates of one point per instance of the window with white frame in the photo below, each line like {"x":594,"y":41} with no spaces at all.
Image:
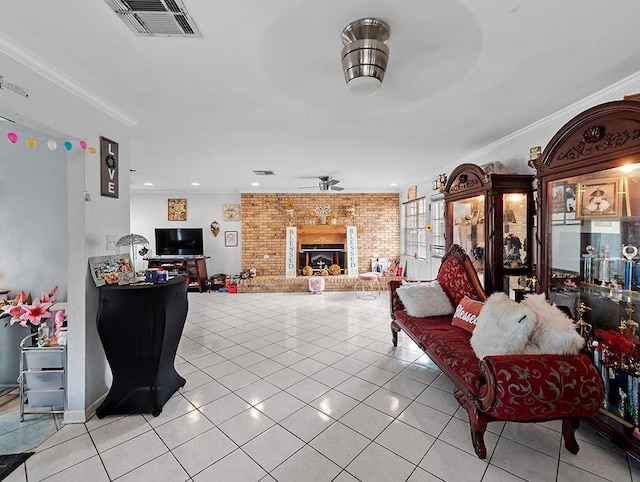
{"x":415,"y":220}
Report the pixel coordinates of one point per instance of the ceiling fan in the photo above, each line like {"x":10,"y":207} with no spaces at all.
{"x":326,"y":183}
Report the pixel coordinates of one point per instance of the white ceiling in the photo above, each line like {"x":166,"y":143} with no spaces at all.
{"x":264,"y":89}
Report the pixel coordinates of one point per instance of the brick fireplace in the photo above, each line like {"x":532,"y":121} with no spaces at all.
{"x":264,"y":222}
{"x":321,"y":245}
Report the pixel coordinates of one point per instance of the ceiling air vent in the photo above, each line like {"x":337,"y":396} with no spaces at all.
{"x":264,"y":172}
{"x":155,"y":18}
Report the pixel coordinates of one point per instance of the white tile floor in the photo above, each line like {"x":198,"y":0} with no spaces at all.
{"x":301,"y":387}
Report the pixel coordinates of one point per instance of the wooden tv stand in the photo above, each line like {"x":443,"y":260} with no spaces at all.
{"x":193,"y":267}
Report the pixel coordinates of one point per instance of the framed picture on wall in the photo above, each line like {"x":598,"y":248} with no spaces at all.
{"x":598,"y":199}
{"x":231,"y":212}
{"x":177,"y":209}
{"x":231,"y":239}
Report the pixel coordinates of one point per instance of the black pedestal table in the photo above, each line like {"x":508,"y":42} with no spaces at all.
{"x":140,"y":328}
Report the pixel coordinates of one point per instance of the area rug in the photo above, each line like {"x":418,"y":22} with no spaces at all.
{"x":8,"y":463}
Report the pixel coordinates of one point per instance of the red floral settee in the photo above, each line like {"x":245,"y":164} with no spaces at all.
{"x":520,"y":387}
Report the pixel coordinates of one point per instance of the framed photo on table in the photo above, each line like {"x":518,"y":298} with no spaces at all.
{"x":231,"y":239}
{"x":598,"y":199}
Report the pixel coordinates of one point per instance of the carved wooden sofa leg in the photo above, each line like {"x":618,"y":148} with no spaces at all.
{"x":569,"y":427}
{"x":477,"y":423}
{"x":394,"y":333}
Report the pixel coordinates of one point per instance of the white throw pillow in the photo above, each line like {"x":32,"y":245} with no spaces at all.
{"x":424,"y":299}
{"x":503,"y":327}
{"x":554,"y":332}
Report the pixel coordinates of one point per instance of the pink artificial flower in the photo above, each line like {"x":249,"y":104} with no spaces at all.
{"x":20,"y":299}
{"x":48,"y":297}
{"x":35,"y":312}
{"x":14,"y":311}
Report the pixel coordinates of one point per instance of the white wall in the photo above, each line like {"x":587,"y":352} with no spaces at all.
{"x":513,"y":150}
{"x":58,"y":108}
{"x":33,"y":196}
{"x":33,"y":243}
{"x":149,"y":211}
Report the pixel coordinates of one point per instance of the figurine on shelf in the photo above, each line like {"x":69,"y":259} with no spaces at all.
{"x":628,"y":326}
{"x":512,"y":247}
{"x":584,"y":328}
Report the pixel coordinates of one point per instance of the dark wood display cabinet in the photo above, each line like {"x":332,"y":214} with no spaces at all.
{"x":588,"y":244}
{"x":490,"y":216}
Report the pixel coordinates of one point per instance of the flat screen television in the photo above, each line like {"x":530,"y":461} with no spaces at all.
{"x":179,"y":241}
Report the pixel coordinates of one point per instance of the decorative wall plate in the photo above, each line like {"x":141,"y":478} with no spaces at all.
{"x":231,"y":212}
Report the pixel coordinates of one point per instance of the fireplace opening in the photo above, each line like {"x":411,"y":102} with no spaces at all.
{"x":321,"y":256}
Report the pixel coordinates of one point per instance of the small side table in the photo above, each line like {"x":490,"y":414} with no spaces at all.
{"x":367,"y":287}
{"x":43,"y":377}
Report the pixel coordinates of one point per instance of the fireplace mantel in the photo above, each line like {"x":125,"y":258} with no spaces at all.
{"x":322,"y":234}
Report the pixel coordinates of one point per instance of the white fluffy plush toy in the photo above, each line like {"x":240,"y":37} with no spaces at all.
{"x":503,"y":327}
{"x":554,"y":331}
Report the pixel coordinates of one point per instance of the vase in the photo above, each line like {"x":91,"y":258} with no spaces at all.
{"x":323,"y":219}
{"x":334,"y":221}
{"x":43,"y":335}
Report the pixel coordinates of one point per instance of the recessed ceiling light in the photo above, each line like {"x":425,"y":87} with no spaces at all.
{"x":255,"y":183}
{"x":393,"y":184}
{"x":195,"y":183}
{"x":148,"y":184}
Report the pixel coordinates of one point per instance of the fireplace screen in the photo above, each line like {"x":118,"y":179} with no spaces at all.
{"x":321,"y":256}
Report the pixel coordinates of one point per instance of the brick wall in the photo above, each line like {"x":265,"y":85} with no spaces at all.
{"x":264,"y":221}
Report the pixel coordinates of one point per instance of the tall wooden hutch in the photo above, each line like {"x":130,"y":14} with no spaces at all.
{"x":490,"y":216}
{"x":588,"y":244}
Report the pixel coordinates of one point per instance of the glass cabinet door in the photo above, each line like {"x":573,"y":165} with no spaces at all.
{"x":515,"y":256}
{"x":594,"y":239}
{"x":468,"y":230}
{"x":514,"y":231}
{"x":595,"y":229}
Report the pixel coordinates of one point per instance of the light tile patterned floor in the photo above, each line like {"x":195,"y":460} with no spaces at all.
{"x":301,"y":387}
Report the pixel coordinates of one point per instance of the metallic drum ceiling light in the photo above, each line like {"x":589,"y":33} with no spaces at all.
{"x":365,"y":55}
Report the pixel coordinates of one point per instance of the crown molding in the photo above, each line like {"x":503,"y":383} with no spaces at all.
{"x":616,"y":91}
{"x":42,"y":68}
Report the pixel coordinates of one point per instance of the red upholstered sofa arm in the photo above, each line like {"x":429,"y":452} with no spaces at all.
{"x":524,"y":387}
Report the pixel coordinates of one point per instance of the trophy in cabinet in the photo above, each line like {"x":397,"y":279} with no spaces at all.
{"x":584,"y":328}
{"x":629,"y":252}
{"x":590,"y":260}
